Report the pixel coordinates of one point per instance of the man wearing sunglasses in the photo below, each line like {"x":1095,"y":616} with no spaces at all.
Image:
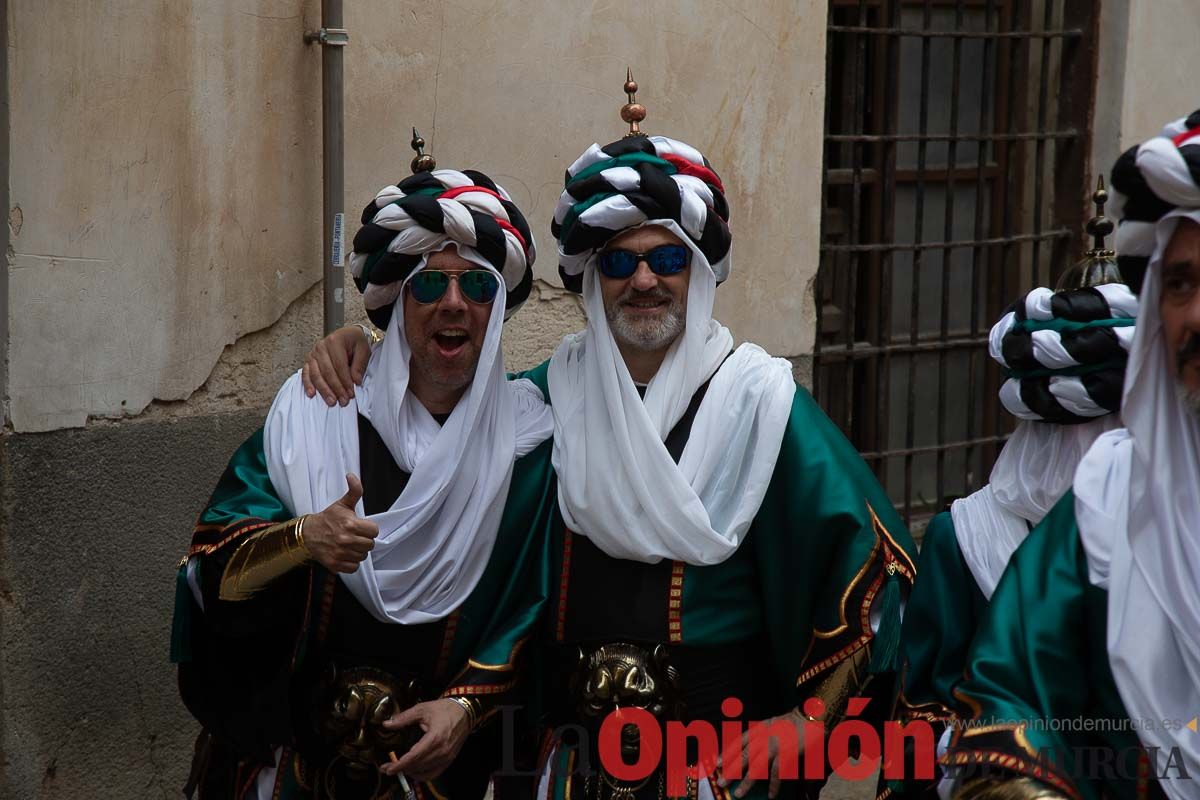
{"x":1083,"y":681}
{"x":716,"y":535}
{"x":359,"y":589}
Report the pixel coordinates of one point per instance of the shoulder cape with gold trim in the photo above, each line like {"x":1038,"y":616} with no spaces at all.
{"x":264,"y":641}
{"x":1039,"y":698}
{"x":825,"y":550}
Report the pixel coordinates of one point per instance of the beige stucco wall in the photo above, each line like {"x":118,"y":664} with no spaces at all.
{"x":165,"y":171}
{"x":164,"y":200}
{"x":1145,"y":76}
{"x":521,"y":89}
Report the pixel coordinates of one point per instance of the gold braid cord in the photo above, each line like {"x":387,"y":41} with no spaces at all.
{"x":844,"y":681}
{"x":263,"y":557}
{"x":1006,"y":789}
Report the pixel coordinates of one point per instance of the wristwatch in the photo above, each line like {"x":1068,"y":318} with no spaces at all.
{"x":374,"y":337}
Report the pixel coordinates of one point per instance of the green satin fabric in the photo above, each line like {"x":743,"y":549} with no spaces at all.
{"x":1040,"y":657}
{"x":503,"y":608}
{"x":812,"y":536}
{"x":505,"y":605}
{"x":245,"y":489}
{"x":940,"y":620}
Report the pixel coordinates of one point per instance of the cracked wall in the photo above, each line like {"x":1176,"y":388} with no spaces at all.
{"x":165,"y":226}
{"x":522,"y":89}
{"x":166,"y":201}
{"x":251,"y":370}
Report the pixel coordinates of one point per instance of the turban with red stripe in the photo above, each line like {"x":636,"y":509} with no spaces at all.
{"x":632,"y":181}
{"x":419,"y":215}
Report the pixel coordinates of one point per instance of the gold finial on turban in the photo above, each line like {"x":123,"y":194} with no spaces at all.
{"x":1100,"y":226}
{"x":1099,"y":264}
{"x":632,"y":112}
{"x":421,"y":162}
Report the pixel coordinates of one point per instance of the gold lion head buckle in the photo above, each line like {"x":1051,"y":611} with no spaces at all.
{"x":350,"y":717}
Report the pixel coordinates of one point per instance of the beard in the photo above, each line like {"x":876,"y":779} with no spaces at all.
{"x":451,"y":374}
{"x":1190,"y":399}
{"x":1189,"y":395}
{"x":652,"y":333}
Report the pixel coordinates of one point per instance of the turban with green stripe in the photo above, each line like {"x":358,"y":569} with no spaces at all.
{"x":630,"y":182}
{"x":1064,"y":353}
{"x":406,"y":221}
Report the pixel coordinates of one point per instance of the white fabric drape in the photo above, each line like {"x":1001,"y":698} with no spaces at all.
{"x":1138,"y":509}
{"x":435,"y":540}
{"x":1034,"y":470}
{"x":617,"y":484}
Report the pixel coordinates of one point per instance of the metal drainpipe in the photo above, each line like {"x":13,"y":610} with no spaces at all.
{"x":332,"y":37}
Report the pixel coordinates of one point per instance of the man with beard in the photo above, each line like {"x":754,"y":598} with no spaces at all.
{"x":1064,"y":354}
{"x":1086,"y":669}
{"x":333,"y":632}
{"x":717,"y":536}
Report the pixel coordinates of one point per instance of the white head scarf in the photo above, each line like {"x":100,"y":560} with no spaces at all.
{"x":1033,"y":471}
{"x":1038,"y":462}
{"x":617,"y":484}
{"x":1138,"y":510}
{"x":435,"y":540}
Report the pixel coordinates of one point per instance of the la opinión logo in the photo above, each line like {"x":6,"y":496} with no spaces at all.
{"x":744,"y":748}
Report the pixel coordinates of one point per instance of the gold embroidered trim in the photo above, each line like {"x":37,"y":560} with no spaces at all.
{"x":507,"y":666}
{"x":479,"y":688}
{"x":562,"y":585}
{"x":843,"y":625}
{"x":1012,"y":764}
{"x":206,"y":549}
{"x":675,"y":603}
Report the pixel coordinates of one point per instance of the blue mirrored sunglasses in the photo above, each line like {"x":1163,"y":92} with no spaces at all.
{"x":666,"y":259}
{"x":477,"y":285}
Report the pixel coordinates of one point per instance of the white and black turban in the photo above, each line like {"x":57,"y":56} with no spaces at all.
{"x":419,"y":215}
{"x":1155,"y":178}
{"x":1064,"y":353}
{"x":629,"y":182}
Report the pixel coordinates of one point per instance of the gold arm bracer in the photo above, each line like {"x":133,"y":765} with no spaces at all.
{"x":472,"y":706}
{"x":843,"y":682}
{"x":263,"y":557}
{"x":1006,"y":789}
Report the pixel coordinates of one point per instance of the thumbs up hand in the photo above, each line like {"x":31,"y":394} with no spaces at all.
{"x":337,"y":538}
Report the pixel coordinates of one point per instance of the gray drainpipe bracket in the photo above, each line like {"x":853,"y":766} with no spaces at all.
{"x":328,"y":37}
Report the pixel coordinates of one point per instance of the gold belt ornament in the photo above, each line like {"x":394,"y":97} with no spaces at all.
{"x":623,"y":675}
{"x":352,"y":705}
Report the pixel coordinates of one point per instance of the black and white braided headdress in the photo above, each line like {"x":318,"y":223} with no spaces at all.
{"x":1155,"y":178}
{"x":1065,"y":353}
{"x":624,"y":184}
{"x":419,"y":214}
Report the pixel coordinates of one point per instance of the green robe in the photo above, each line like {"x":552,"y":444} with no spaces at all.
{"x":943,"y":612}
{"x":239,"y":660}
{"x":1039,"y":681}
{"x":940,"y":620}
{"x":826,"y":543}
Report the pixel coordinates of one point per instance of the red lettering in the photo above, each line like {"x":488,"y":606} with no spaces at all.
{"x":894,"y":734}
{"x":814,"y":750}
{"x":649,"y":744}
{"x":839,"y":750}
{"x":787,"y":740}
{"x":678,"y":770}
{"x":731,"y":739}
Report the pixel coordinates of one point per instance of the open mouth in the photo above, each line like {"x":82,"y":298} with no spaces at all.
{"x":451,"y":341}
{"x":647,"y":305}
